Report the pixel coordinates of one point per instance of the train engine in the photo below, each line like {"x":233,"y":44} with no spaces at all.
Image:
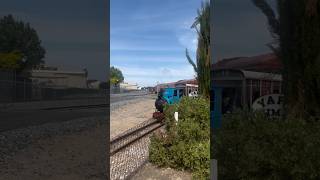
{"x":167,"y":96}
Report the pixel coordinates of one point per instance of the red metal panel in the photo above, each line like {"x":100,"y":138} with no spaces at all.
{"x":261,"y":63}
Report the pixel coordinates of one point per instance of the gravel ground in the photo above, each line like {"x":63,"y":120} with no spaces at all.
{"x":127,"y":161}
{"x":126,"y":115}
{"x":69,"y":150}
{"x":74,"y":149}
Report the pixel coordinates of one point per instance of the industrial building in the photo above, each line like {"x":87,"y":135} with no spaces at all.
{"x":129,"y":86}
{"x":53,"y":77}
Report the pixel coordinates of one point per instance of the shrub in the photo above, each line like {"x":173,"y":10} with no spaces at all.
{"x":186,"y":143}
{"x":251,"y":146}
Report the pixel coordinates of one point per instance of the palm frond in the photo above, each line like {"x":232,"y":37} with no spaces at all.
{"x":191,"y":61}
{"x":273,"y":22}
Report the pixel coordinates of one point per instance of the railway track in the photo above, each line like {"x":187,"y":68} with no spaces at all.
{"x":78,"y":107}
{"x":130,"y":150}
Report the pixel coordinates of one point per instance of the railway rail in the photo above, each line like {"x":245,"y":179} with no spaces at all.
{"x":129,"y":150}
{"x":78,"y":107}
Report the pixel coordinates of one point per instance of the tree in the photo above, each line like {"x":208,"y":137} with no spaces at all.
{"x":297,"y":35}
{"x":116,"y":76}
{"x":203,"y":63}
{"x":17,"y":36}
{"x":10,"y":61}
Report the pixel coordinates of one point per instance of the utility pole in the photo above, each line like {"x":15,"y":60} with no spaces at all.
{"x":215,"y":116}
{"x":211,"y":30}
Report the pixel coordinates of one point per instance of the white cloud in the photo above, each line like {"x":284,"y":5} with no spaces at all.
{"x":188,"y":36}
{"x":188,"y":40}
{"x":148,"y":59}
{"x":150,"y":76}
{"x":129,"y":46}
{"x":187,"y":23}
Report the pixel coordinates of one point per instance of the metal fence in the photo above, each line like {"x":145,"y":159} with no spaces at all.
{"x":26,"y":90}
{"x":115,"y":89}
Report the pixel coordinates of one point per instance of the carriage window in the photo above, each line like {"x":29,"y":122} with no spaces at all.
{"x":180,"y":93}
{"x":255,"y":89}
{"x":276,"y":87}
{"x":249,"y":91}
{"x":265,"y":87}
{"x":175,"y":93}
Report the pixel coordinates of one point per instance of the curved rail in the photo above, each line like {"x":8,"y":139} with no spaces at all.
{"x":129,"y":151}
{"x":130,"y":136}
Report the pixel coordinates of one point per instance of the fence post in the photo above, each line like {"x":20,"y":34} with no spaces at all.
{"x":214,"y":169}
{"x":24,"y":89}
{"x":13,"y":98}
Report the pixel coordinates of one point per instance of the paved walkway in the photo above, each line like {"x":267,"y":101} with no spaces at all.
{"x":151,"y":172}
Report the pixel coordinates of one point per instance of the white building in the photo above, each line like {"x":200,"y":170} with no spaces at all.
{"x":128,"y":86}
{"x":190,"y":85}
{"x":56,"y":78}
{"x":94,"y":84}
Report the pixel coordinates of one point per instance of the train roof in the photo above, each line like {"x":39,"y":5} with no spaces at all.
{"x":235,"y":74}
{"x":269,"y":63}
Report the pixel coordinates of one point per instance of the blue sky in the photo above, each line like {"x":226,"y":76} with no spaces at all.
{"x":148,"y":39}
{"x":73,"y":32}
{"x":240,"y":29}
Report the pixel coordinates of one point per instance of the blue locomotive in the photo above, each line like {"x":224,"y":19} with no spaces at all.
{"x":168,"y":96}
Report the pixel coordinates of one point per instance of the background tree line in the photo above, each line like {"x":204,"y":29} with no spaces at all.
{"x":20,"y":46}
{"x":116,"y":76}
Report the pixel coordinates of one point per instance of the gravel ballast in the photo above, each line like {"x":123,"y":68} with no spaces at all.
{"x":68,"y":150}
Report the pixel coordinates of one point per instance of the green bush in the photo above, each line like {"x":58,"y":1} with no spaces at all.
{"x":251,"y":146}
{"x":186,"y":143}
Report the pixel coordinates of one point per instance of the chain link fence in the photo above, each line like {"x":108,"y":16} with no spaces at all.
{"x":25,"y":90}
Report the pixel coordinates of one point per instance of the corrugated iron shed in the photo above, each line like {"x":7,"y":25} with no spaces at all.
{"x":260,"y":63}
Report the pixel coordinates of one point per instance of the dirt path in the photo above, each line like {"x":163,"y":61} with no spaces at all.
{"x":151,"y":172}
{"x":131,"y":114}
